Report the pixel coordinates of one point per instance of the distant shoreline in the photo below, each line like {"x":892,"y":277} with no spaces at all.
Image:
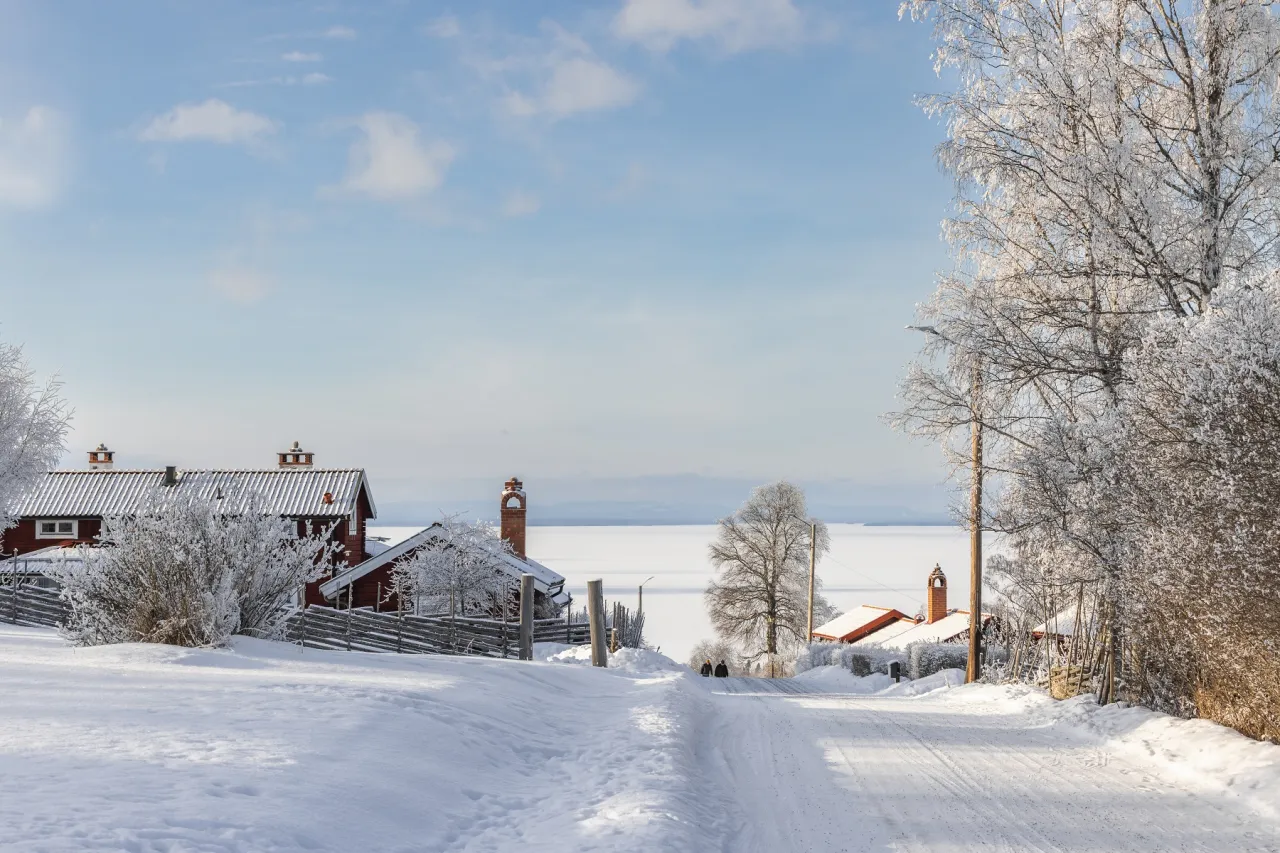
{"x":555,"y":522}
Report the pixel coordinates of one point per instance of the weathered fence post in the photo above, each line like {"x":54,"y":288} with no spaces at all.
{"x":302,"y":619}
{"x":399,"y":623}
{"x":526,"y":617}
{"x":506,"y":602}
{"x":350,"y":589}
{"x":568,"y":622}
{"x":595,"y":615}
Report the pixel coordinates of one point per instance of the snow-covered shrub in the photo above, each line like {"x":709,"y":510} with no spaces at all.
{"x":1201,"y":601}
{"x":924,"y":659}
{"x":184,"y":573}
{"x":461,"y":570}
{"x":860,"y":660}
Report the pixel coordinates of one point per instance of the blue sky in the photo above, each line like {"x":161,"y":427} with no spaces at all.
{"x":447,"y":242}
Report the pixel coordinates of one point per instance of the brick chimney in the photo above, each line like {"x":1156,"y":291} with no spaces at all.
{"x":937,"y":600}
{"x":100,"y":458}
{"x":295,"y":457}
{"x":513,"y":512}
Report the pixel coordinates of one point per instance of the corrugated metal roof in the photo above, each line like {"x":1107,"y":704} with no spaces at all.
{"x":295,"y":492}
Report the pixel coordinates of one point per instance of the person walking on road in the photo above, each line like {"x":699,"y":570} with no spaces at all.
{"x":722,"y":671}
{"x":706,"y":668}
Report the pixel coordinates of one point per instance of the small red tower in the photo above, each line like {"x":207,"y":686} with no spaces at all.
{"x":513,"y":515}
{"x":937,"y":607}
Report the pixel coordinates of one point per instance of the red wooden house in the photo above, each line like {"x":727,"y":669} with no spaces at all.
{"x":67,"y":507}
{"x":368,"y":584}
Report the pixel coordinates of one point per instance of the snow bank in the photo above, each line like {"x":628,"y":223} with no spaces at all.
{"x":630,"y":661}
{"x":837,"y":679}
{"x":1199,"y":752}
{"x":264,"y":746}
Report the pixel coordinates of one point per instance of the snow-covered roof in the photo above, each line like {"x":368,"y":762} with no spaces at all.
{"x":545,"y":580}
{"x":888,"y":632}
{"x":38,"y":561}
{"x":947,"y":628}
{"x":857,"y":621}
{"x":1061,"y":624}
{"x":294,"y":492}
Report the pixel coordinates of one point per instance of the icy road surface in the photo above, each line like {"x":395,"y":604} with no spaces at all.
{"x":815,"y":771}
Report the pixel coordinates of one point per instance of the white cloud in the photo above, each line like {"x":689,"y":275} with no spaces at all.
{"x":212,"y":121}
{"x":574,"y":84}
{"x":521,"y":203}
{"x":444,"y":27}
{"x":735,"y":25}
{"x":391,"y":162}
{"x":299,"y":56}
{"x":338,"y":33}
{"x":34,"y":158}
{"x":239,"y":284}
{"x":315,"y":78}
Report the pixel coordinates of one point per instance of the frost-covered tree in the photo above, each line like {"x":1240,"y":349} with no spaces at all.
{"x":1117,"y":163}
{"x":185,"y":573}
{"x":461,"y":570}
{"x":716,"y":651}
{"x":33,"y":424}
{"x":759,"y":598}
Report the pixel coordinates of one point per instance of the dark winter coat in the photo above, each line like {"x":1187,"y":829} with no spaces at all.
{"x":706,"y":669}
{"x":722,"y":671}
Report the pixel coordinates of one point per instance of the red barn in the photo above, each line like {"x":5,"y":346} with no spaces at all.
{"x":67,"y":507}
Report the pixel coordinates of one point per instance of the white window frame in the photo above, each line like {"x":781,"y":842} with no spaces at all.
{"x":74,"y":533}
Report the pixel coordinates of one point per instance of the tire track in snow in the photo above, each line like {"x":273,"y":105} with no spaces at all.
{"x":814,"y":772}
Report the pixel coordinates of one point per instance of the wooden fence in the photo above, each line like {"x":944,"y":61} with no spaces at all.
{"x":24,"y":603}
{"x":361,"y":629}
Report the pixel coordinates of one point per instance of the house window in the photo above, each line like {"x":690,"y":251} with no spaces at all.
{"x":57,"y":529}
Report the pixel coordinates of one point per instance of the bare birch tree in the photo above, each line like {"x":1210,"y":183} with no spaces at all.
{"x":758,"y":600}
{"x":33,"y":424}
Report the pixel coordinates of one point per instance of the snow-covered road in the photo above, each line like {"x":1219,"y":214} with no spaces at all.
{"x":809,"y":771}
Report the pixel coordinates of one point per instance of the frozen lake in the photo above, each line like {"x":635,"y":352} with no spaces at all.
{"x":886,"y":566}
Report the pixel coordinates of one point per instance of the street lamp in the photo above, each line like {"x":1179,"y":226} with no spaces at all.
{"x":973,"y":668}
{"x":640,"y":605}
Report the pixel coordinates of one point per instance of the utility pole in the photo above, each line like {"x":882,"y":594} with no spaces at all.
{"x":974,"y":668}
{"x":813,"y":570}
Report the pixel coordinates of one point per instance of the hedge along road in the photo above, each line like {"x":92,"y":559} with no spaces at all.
{"x":815,"y":771}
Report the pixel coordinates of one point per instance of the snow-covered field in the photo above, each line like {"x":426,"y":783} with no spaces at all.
{"x":264,"y":747}
{"x":867,"y":565}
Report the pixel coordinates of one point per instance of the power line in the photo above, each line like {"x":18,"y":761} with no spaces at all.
{"x":872,"y":580}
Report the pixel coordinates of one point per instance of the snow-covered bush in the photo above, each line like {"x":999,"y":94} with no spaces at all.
{"x":461,"y":570}
{"x":1203,"y":479}
{"x":924,"y":659}
{"x":184,"y":573}
{"x":860,"y":660}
